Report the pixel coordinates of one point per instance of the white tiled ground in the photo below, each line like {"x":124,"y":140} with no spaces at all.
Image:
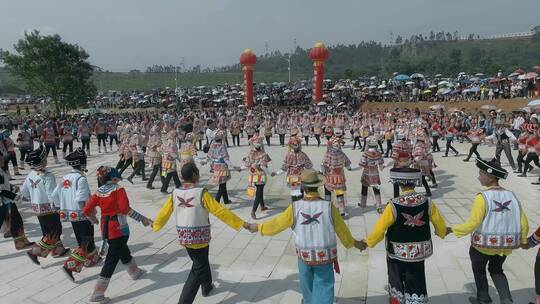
{"x":252,"y":269}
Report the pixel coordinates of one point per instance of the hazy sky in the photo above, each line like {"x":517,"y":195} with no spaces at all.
{"x":127,"y":34}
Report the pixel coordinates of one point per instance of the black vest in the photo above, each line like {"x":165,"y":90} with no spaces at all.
{"x":409,"y":237}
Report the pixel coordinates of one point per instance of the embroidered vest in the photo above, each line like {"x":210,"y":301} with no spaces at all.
{"x":409,"y":238}
{"x":501,"y":228}
{"x":314,"y":233}
{"x":192,"y":221}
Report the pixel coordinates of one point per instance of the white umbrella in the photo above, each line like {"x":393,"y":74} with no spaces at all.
{"x":417,"y":76}
{"x":287,"y":91}
{"x":437,"y":107}
{"x":409,"y":83}
{"x":443,"y":83}
{"x":321,"y":103}
{"x":488,"y":107}
{"x":513,"y":75}
{"x":382,"y":86}
{"x":371,"y":87}
{"x":534,"y":103}
{"x":438,"y":76}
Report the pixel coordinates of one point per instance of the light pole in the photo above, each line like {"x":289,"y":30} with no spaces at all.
{"x":288,"y":59}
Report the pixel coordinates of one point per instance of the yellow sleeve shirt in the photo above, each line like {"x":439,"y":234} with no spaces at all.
{"x":478,"y":212}
{"x":388,"y":218}
{"x":210,"y":204}
{"x":285,"y":220}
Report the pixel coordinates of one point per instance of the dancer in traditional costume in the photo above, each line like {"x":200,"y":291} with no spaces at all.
{"x":423,"y":160}
{"x":476,"y":136}
{"x":405,"y":225}
{"x":191,"y":205}
{"x":257,"y":162}
{"x":333,"y":167}
{"x":281,"y":128}
{"x":9,"y":213}
{"x":306,"y":128}
{"x":220,"y":163}
{"x":38,"y":188}
{"x":315,"y":223}
{"x":372,"y":162}
{"x":168,"y":165}
{"x":522,"y":147}
{"x":401,"y":156}
{"x":70,"y":196}
{"x":153,"y":151}
{"x":113,"y":201}
{"x":294,"y":163}
{"x":497,"y":225}
{"x":136,"y":146}
{"x":268,"y":124}
{"x":503,"y":138}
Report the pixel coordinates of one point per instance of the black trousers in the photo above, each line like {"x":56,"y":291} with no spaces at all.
{"x":50,"y":224}
{"x":406,"y":279}
{"x":365,"y":143}
{"x":51,"y":147}
{"x":222,"y":192}
{"x":282,"y":139}
{"x":102,"y":138}
{"x":449,"y":147}
{"x":474,"y":149}
{"x":520,"y":159}
{"x":10,"y":214}
{"x":259,"y":198}
{"x":84,"y":233}
{"x":167,"y":180}
{"x":365,"y":188}
{"x":111,"y":138}
{"x":531,"y":157}
{"x":24,"y":152}
{"x":494,"y":265}
{"x":396,"y":190}
{"x":235,"y":140}
{"x":139,"y":169}
{"x":426,"y":186}
{"x":156,"y":169}
{"x":306,"y":139}
{"x":118,"y":251}
{"x":318,"y":139}
{"x":388,"y":147}
{"x":435,"y":144}
{"x":126,"y":164}
{"x":268,"y":140}
{"x":199,"y":276}
{"x":357,"y":141}
{"x":380,"y":146}
{"x":85,"y":143}
{"x":11,"y":157}
{"x":120,"y":163}
{"x":65,"y":146}
{"x":537,"y":275}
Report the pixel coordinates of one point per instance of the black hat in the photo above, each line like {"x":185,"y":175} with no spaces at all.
{"x":492,"y":167}
{"x":76,"y":158}
{"x":405,"y":176}
{"x":36,"y":158}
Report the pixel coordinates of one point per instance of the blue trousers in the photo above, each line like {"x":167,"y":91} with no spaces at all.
{"x":316,"y":283}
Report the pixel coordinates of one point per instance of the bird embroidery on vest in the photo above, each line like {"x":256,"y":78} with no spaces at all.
{"x":501,"y":207}
{"x":34,"y":183}
{"x":414,"y":221}
{"x":185,"y":203}
{"x":66,"y":184}
{"x":310,"y":219}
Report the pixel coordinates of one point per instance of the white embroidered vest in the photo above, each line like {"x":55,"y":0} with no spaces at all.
{"x":501,"y":228}
{"x":314,"y":233}
{"x":192,"y":221}
{"x":69,"y":193}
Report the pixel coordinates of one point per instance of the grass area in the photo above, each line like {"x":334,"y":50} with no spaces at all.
{"x":146,"y":81}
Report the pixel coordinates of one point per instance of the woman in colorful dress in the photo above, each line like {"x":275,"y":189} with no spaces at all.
{"x":257,"y":162}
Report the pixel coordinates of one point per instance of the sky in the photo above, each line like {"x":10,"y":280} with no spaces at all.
{"x":121,"y":35}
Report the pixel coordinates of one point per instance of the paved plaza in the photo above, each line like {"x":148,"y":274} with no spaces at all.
{"x":252,"y":269}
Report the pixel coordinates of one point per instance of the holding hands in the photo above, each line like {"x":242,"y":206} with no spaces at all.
{"x":360,"y":245}
{"x":253,"y":228}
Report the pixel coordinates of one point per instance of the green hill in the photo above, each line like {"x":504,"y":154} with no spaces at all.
{"x":420,"y":55}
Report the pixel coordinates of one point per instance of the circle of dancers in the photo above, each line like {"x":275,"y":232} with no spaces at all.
{"x":175,"y":146}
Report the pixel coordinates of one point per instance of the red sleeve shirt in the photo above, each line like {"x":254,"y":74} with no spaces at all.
{"x":111,"y":203}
